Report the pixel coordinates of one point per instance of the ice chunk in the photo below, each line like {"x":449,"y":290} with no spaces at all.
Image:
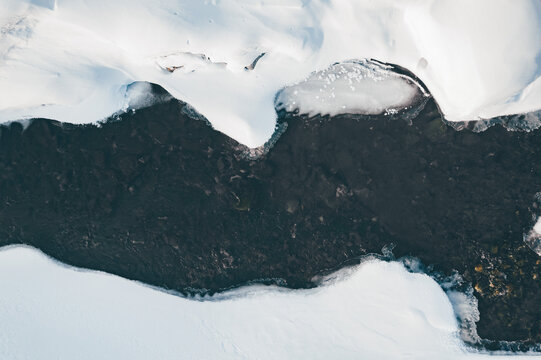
{"x":533,"y":238}
{"x":49,"y":4}
{"x":352,"y":87}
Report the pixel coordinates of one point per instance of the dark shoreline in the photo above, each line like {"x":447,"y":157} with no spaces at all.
{"x":159,"y":197}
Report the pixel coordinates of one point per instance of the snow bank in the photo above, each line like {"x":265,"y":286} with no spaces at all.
{"x":72,"y":59}
{"x":375,"y":311}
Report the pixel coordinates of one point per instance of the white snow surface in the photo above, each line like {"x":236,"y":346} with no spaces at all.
{"x":72,"y":60}
{"x":377,"y":310}
{"x":354,"y":87}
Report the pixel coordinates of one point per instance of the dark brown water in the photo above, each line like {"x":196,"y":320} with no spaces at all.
{"x":160,"y":197}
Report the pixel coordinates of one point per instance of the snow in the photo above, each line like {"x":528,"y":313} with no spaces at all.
{"x":377,"y":310}
{"x":72,"y":60}
{"x":353,"y":87}
{"x":533,"y":237}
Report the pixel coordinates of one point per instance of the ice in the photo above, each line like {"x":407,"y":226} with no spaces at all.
{"x":352,"y":87}
{"x":49,"y":4}
{"x":533,"y":237}
{"x":140,"y":94}
{"x":537,"y":226}
{"x":71,"y":60}
{"x":377,"y":310}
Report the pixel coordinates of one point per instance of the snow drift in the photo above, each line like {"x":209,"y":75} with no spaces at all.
{"x":377,"y":310}
{"x":72,"y":60}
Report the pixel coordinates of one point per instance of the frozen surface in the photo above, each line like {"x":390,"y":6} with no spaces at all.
{"x":377,"y":310}
{"x":353,"y":87}
{"x":537,"y":226}
{"x":72,"y":60}
{"x":533,"y":238}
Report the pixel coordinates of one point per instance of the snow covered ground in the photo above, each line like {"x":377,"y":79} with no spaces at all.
{"x":72,"y":60}
{"x":376,"y":310}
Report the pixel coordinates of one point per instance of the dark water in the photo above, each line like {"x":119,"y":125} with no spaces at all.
{"x":160,"y":197}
